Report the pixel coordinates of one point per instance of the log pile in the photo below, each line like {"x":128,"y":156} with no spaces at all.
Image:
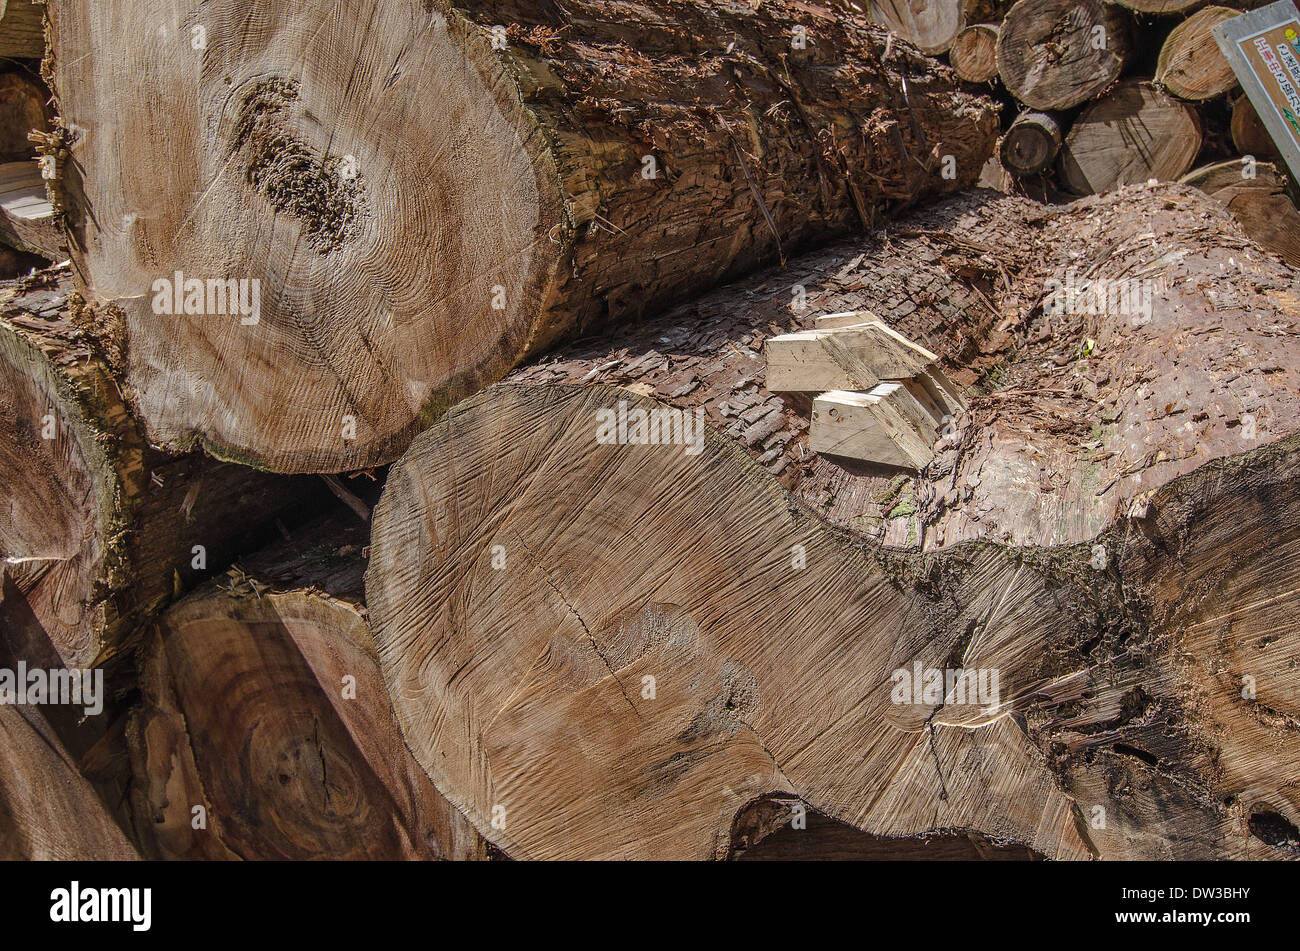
{"x":550,"y":431}
{"x":1104,"y":94}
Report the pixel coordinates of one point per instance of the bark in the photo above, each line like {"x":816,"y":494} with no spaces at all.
{"x":507,"y":191}
{"x":930,"y":25}
{"x":1191,"y":65}
{"x":1134,"y":134}
{"x":99,"y":529}
{"x":773,"y":621}
{"x":974,"y":54}
{"x":263,"y":703}
{"x":1031,"y":144}
{"x":1257,"y":197}
{"x":1049,"y":56}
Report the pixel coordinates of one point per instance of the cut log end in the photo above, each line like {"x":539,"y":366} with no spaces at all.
{"x":974,"y":54}
{"x":1056,"y":54}
{"x":1031,"y":144}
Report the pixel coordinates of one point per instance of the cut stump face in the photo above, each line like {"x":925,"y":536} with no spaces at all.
{"x":362,"y":228}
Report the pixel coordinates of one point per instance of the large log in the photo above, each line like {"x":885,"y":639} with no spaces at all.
{"x":1056,"y":54}
{"x":524,"y":584}
{"x":1133,"y":134}
{"x":1248,"y":132}
{"x":510,"y":173}
{"x":263,"y":705}
{"x":99,"y":529}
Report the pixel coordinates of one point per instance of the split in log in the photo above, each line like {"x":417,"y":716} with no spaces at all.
{"x":930,"y":25}
{"x":1134,"y":134}
{"x":22,"y":29}
{"x":1031,"y":144}
{"x":523,"y":172}
{"x":1248,"y":132}
{"x":263,"y":705}
{"x":1257,"y":197}
{"x":26,"y":214}
{"x":99,"y":529}
{"x":1056,"y":54}
{"x":974,"y":54}
{"x":1191,"y":65}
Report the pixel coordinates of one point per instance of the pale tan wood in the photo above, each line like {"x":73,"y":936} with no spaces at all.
{"x":1257,"y":197}
{"x":888,"y":426}
{"x":931,"y":25}
{"x":26,"y":215}
{"x":1133,"y":134}
{"x":974,"y":54}
{"x":1191,"y":65}
{"x":1049,"y":55}
{"x":853,"y":357}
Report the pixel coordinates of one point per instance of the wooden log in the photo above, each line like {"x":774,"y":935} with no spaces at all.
{"x":1056,"y":54}
{"x":99,"y":529}
{"x":263,"y":706}
{"x":22,"y":28}
{"x":1257,"y":197}
{"x":1191,"y":65}
{"x":48,"y":810}
{"x":575,"y":167}
{"x":930,"y":25}
{"x":1032,"y":143}
{"x":974,"y":54}
{"x":774,"y":643}
{"x":1134,"y":134}
{"x":1248,"y":132}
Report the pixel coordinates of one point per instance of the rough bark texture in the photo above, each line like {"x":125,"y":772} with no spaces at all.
{"x":1048,"y":54}
{"x":98,"y":529}
{"x":1133,"y":134}
{"x":263,"y":703}
{"x":772,"y":637}
{"x":409,"y":254}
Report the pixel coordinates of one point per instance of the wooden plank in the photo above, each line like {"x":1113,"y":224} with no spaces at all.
{"x":26,"y":215}
{"x":887,"y":426}
{"x":22,"y":29}
{"x":845,"y":358}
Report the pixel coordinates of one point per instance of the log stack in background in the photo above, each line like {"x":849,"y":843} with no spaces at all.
{"x":1101,"y":94}
{"x":553,"y":646}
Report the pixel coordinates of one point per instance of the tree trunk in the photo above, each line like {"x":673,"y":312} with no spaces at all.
{"x":974,"y":54}
{"x":1258,"y":199}
{"x":602,"y":162}
{"x":930,"y":25}
{"x":99,"y":529}
{"x":1134,"y":134}
{"x":1191,"y":65}
{"x":22,"y":29}
{"x":714,"y":641}
{"x":1031,"y":144}
{"x":263,"y":704}
{"x":1051,"y":54}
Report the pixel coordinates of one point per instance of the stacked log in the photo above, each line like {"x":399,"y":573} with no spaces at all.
{"x":621,"y":596}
